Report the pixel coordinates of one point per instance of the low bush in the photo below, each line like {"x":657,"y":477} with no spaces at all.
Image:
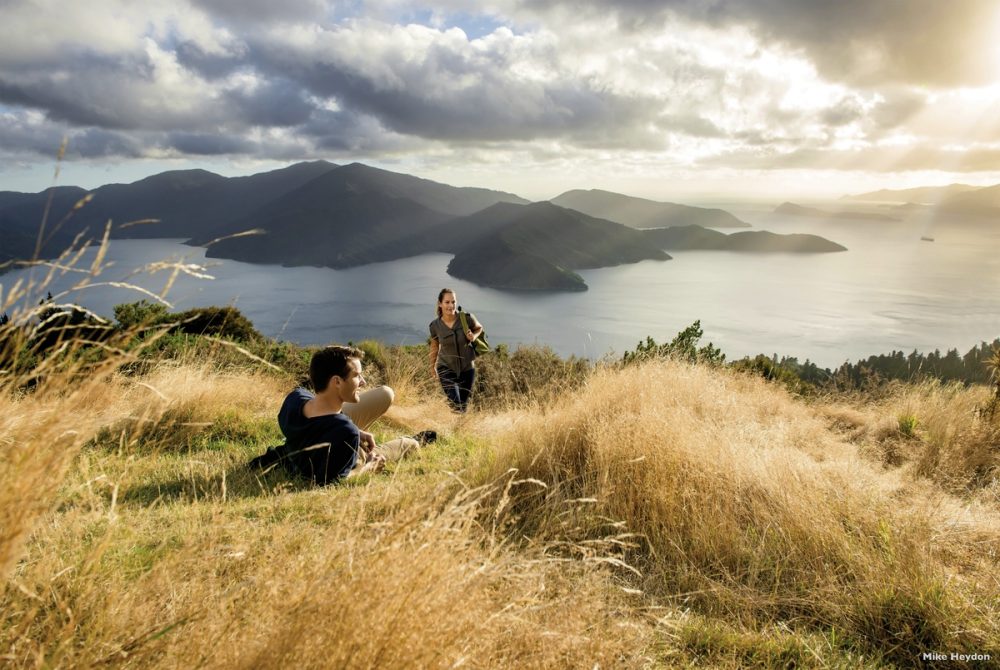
{"x":528,"y":375}
{"x":225,"y":322}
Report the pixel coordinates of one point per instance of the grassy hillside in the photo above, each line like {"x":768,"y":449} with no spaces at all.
{"x":659,"y":514}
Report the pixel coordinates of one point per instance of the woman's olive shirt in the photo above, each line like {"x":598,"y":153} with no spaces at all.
{"x":455,"y":350}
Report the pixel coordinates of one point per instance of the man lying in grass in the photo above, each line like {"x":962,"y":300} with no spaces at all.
{"x":325,"y":436}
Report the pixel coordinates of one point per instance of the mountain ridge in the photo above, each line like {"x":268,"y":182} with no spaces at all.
{"x":923,"y":195}
{"x":323,"y":214}
{"x":643,"y":213}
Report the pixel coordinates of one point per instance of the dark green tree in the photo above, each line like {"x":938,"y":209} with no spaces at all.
{"x":683,"y":347}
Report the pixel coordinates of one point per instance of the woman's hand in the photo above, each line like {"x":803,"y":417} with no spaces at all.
{"x":434,"y":372}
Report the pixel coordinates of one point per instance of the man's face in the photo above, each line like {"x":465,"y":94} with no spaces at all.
{"x":349,"y":386}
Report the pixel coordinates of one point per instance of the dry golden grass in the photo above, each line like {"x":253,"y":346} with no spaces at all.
{"x":310,"y":582}
{"x":157,"y":549}
{"x":944,"y":433}
{"x":751,"y":509}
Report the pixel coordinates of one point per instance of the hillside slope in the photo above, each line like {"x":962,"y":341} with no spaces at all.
{"x":664,"y":514}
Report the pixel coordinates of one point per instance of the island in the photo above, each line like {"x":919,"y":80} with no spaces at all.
{"x":691,"y":238}
{"x":537,"y":246}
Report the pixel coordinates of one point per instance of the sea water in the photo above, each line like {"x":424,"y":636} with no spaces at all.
{"x":890,"y":290}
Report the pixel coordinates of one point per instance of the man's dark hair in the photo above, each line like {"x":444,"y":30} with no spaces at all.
{"x":329,"y":362}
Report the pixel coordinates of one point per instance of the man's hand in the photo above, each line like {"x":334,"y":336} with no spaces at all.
{"x":375,"y":465}
{"x":367,"y":442}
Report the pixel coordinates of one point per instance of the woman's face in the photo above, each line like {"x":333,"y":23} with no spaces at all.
{"x":447,"y":304}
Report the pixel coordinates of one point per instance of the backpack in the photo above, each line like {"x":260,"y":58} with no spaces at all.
{"x":481,"y":345}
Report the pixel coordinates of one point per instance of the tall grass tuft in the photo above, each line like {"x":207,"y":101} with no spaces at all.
{"x":944,"y":433}
{"x":746,"y":506}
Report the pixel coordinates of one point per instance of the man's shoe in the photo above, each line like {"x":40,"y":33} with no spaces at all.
{"x":426,"y":437}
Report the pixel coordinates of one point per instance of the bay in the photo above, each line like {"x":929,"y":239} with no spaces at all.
{"x":890,"y":290}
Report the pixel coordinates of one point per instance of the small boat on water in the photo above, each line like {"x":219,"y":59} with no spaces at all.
{"x":927,"y":239}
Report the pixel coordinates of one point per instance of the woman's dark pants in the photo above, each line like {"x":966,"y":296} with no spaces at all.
{"x":457,"y":386}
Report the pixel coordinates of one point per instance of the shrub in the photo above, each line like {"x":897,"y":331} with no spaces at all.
{"x":529,"y":374}
{"x":227,"y":322}
{"x":908,"y":425}
{"x":142,"y":313}
{"x":770,"y":370}
{"x":60,"y":325}
{"x":683,"y":347}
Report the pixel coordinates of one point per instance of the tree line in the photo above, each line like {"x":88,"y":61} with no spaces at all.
{"x":974,"y":367}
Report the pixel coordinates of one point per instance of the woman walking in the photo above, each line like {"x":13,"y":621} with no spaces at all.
{"x":453,"y":358}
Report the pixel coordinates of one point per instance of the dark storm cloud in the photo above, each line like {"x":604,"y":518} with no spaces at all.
{"x":208,"y":144}
{"x":350,"y":132}
{"x":275,"y":103}
{"x":210,"y":65}
{"x":250,"y":11}
{"x":17,"y":135}
{"x":20,"y":137}
{"x":98,"y":143}
{"x":91,"y":89}
{"x":124,"y":93}
{"x":865,"y":42}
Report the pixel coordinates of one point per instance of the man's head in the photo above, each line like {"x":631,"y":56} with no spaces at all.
{"x":338,"y":366}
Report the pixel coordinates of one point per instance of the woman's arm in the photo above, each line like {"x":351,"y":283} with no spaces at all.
{"x":474,"y":331}
{"x":435,"y":347}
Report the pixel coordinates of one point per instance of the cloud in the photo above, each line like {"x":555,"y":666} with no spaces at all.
{"x":440,"y":85}
{"x":352,"y":133}
{"x":866,"y":43}
{"x":202,"y":144}
{"x":887,"y":159}
{"x":263,"y":11}
{"x":19,"y":134}
{"x":273,"y":103}
{"x":210,"y":65}
{"x":768,"y":83}
{"x":28,"y":133}
{"x":141,"y":90}
{"x":97,"y":143}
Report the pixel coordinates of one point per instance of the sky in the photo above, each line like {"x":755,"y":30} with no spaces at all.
{"x":679,"y":100}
